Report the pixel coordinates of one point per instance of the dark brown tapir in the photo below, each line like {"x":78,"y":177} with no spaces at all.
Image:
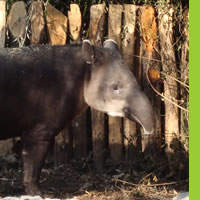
{"x":43,"y":88}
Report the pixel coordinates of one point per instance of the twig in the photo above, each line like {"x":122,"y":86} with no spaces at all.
{"x":163,"y":95}
{"x":145,"y":177}
{"x":164,"y":184}
{"x":151,"y":185}
{"x":144,"y":57}
{"x":168,"y":99}
{"x":122,"y":190}
{"x":174,"y":79}
{"x":125,"y":182}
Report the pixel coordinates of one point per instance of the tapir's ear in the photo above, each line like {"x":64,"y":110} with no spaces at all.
{"x":111,"y":44}
{"x":88,"y":51}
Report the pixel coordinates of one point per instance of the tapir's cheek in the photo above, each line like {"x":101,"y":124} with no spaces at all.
{"x":115,"y":107}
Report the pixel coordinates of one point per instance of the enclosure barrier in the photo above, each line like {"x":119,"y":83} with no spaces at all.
{"x":145,"y":36}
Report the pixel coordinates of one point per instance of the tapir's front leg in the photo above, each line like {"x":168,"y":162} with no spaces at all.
{"x":36,"y":144}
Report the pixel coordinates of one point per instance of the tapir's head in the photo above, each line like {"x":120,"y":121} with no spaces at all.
{"x":112,"y":88}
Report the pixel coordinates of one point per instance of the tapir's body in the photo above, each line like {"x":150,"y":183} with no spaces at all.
{"x":38,"y":86}
{"x":43,"y":88}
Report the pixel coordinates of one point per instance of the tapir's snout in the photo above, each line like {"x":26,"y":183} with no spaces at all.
{"x":140,"y":110}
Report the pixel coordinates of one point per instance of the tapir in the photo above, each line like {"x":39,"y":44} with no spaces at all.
{"x":43,"y":88}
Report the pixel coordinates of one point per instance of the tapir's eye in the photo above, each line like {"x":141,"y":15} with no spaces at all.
{"x":115,"y":87}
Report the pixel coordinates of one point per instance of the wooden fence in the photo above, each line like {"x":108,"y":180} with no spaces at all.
{"x":145,"y":36}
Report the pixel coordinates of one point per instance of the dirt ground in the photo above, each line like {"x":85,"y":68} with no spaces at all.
{"x":78,"y":178}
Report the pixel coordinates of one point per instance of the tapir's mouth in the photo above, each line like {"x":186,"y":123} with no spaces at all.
{"x":132,"y":117}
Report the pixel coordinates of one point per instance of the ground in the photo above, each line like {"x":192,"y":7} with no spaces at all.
{"x":78,"y":178}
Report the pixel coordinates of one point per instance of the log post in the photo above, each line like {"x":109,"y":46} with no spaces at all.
{"x":74,"y":16}
{"x":5,"y":145}
{"x":79,"y":126}
{"x":128,"y":42}
{"x":97,"y":23}
{"x":165,"y":20}
{"x":96,"y":33}
{"x":148,"y":55}
{"x":37,"y":23}
{"x":56,"y":25}
{"x":115,"y":123}
{"x":184,"y":126}
{"x":2,"y":23}
{"x":57,"y":33}
{"x":17,"y":21}
{"x":63,"y":147}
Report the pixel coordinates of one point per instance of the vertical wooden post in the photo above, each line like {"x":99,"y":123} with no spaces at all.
{"x":96,"y":33}
{"x":5,"y":145}
{"x":56,"y":25}
{"x":128,"y":42}
{"x":17,"y":21}
{"x":2,"y":23}
{"x":36,"y":14}
{"x":80,"y":137}
{"x":184,"y":126}
{"x":57,"y":30}
{"x":148,"y":44}
{"x":115,"y":123}
{"x":63,"y":147}
{"x":79,"y":126}
{"x":74,"y":16}
{"x":97,"y":22}
{"x":165,"y":20}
